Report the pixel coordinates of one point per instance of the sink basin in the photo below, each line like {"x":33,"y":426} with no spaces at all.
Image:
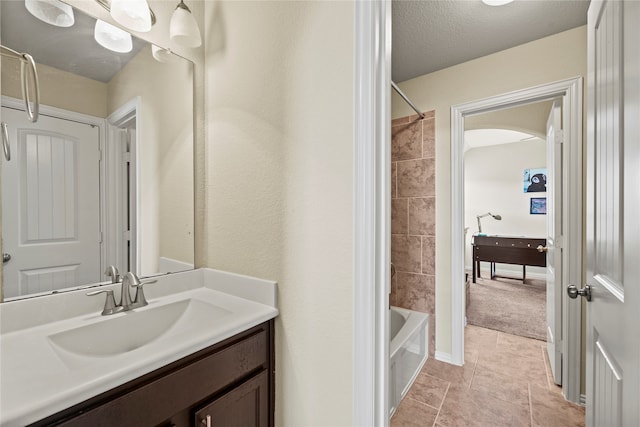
{"x":128,"y":331}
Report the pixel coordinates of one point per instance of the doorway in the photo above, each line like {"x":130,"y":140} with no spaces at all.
{"x":506,"y":211}
{"x":570,"y":91}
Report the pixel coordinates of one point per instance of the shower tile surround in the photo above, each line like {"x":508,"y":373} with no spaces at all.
{"x":413,"y":215}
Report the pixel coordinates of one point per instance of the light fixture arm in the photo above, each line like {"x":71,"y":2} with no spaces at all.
{"x":182,"y":5}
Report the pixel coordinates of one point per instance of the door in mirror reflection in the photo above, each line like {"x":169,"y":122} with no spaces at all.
{"x":51,"y":204}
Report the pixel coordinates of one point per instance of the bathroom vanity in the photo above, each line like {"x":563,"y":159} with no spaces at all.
{"x":201,"y":353}
{"x":230,"y":383}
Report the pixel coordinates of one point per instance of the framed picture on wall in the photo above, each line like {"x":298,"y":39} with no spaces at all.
{"x":538,"y":206}
{"x":535,"y":180}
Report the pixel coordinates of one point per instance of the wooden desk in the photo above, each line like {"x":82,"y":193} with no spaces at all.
{"x":507,"y":250}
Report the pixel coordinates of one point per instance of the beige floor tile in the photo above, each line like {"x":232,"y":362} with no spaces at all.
{"x":477,"y":338}
{"x":549,"y":409}
{"x":429,"y":390}
{"x":493,"y":384}
{"x":504,"y":382}
{"x":526,"y":346}
{"x":460,"y":375}
{"x":510,"y":363}
{"x":468,"y":408}
{"x":412,"y":413}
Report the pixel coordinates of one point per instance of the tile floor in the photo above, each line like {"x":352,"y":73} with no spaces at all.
{"x":505,"y":382}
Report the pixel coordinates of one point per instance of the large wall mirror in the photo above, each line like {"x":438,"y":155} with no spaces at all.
{"x":105,"y":175}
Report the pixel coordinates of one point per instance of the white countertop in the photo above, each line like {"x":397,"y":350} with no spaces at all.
{"x":37,"y":379}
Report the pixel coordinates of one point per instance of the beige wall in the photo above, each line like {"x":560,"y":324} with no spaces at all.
{"x":280,"y":166}
{"x":165,"y":154}
{"x":58,"y":89}
{"x":546,"y":60}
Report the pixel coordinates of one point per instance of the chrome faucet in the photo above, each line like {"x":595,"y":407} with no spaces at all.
{"x":129,"y":280}
{"x":112,"y":271}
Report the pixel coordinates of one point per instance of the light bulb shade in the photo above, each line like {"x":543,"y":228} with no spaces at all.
{"x":133,"y":14}
{"x":52,"y":12}
{"x":163,"y":55}
{"x":496,"y":2}
{"x":183,"y":29}
{"x":112,"y":38}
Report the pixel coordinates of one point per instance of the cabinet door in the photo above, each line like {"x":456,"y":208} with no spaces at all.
{"x":245,"y":406}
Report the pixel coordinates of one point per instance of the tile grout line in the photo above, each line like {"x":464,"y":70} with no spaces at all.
{"x":441,"y":404}
{"x":530,"y":403}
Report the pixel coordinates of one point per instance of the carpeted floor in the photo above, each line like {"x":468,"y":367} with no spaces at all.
{"x":508,"y":305}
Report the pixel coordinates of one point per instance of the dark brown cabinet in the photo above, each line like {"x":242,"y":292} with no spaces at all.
{"x":228,"y":384}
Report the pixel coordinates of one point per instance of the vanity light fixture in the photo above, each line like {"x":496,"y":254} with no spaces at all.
{"x":496,"y":2}
{"x":183,"y":29}
{"x":132,"y":14}
{"x":112,"y":38}
{"x":163,"y":55}
{"x":53,"y":12}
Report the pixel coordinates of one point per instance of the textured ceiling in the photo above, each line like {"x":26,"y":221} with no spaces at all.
{"x":70,"y":49}
{"x":430,"y":35}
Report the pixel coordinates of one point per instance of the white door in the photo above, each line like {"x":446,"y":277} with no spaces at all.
{"x":555,"y":287}
{"x":50,"y":204}
{"x":613,"y":215}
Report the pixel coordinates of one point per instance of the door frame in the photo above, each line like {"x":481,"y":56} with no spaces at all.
{"x":570,"y":90}
{"x":117,"y":196}
{"x":59,"y":113}
{"x":371,"y":213}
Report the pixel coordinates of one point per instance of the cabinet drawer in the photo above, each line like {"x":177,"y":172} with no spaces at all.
{"x":245,"y":406}
{"x":160,"y":398}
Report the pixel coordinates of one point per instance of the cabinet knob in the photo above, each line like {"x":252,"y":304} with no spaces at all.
{"x":206,"y":421}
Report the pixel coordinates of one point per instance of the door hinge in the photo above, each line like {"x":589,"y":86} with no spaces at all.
{"x":559,"y":243}
{"x":559,"y":136}
{"x":127,"y":235}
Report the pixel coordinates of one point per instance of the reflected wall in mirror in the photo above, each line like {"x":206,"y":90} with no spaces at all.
{"x":105,"y":176}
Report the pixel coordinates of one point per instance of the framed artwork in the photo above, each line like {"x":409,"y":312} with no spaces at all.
{"x":538,"y":206}
{"x":535,"y":180}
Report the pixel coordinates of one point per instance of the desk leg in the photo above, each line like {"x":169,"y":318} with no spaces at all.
{"x":493,"y":270}
{"x":478,"y":269}
{"x":473,"y":269}
{"x":524,"y":273}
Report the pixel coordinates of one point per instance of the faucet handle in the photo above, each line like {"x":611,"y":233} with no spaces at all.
{"x":110,"y":306}
{"x":140,"y":300}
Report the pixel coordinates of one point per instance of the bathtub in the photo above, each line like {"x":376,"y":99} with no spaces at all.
{"x":408,"y":351}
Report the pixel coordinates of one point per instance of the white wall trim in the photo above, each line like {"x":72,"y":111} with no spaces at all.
{"x":130,"y":109}
{"x":571,"y":92}
{"x":372,"y":217}
{"x":444,"y":357}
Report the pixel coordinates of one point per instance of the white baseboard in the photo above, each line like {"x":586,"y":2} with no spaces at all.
{"x":444,"y":357}
{"x":514,"y":273}
{"x":168,"y":265}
